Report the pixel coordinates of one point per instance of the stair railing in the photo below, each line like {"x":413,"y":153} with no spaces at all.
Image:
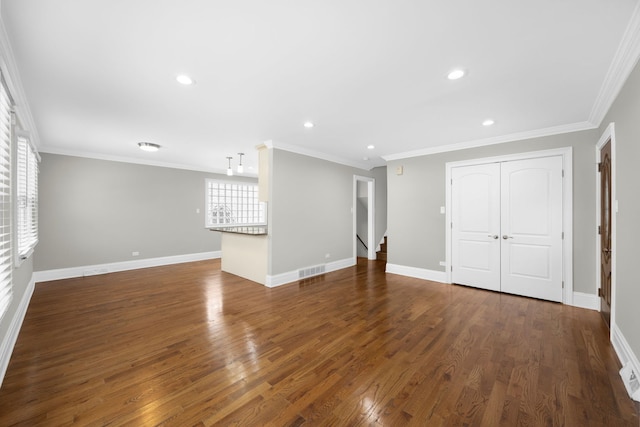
{"x":363,"y":244}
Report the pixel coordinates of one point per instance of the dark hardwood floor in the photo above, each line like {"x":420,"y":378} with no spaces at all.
{"x":189,"y":345}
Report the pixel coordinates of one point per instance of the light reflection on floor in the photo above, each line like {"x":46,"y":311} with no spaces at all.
{"x":221,"y":327}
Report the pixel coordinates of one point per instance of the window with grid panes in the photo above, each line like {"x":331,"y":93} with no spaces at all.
{"x":6,"y":261}
{"x":27,"y":196}
{"x":232,"y":204}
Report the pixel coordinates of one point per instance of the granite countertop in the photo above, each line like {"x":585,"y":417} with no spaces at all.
{"x":255,"y":230}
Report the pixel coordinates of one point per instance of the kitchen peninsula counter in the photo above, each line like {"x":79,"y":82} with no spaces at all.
{"x":245,"y":252}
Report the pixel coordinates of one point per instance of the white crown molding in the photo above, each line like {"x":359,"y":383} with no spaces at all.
{"x":319,"y":155}
{"x":11,"y":75}
{"x":623,"y":62}
{"x":124,"y":159}
{"x":555,"y":130}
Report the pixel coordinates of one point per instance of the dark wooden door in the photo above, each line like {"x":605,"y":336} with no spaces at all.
{"x":605,"y":232}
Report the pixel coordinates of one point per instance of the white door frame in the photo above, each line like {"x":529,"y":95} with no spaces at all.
{"x":567,"y":208}
{"x":371,"y":235}
{"x":608,"y":134}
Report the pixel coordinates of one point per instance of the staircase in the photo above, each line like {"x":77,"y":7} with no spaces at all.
{"x":381,"y":255}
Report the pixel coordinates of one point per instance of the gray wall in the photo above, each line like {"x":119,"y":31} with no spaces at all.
{"x":98,"y":211}
{"x":310,"y":208}
{"x":380,"y":175}
{"x":625,"y":113}
{"x":417,"y":228}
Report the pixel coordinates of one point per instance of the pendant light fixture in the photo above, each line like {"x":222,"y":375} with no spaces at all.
{"x":240,"y":167}
{"x":229,"y":170}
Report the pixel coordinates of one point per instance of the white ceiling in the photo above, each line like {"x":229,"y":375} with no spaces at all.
{"x":99,"y":75}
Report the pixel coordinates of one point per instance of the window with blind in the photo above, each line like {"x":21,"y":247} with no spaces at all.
{"x":233,"y":203}
{"x":26,"y":197}
{"x":6,"y":262}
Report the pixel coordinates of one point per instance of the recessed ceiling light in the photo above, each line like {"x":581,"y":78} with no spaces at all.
{"x":371,"y":147}
{"x":456,"y":74}
{"x":184,"y":79}
{"x":488,"y":122}
{"x":308,"y":125}
{"x":148,"y":146}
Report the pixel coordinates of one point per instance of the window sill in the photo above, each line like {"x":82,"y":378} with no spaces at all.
{"x":252,"y":230}
{"x":20,"y":259}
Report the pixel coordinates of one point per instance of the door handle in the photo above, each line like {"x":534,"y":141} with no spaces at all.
{"x":505,"y":237}
{"x":495,"y":236}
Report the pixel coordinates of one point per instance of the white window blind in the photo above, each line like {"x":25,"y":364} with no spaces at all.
{"x":27,"y":196}
{"x":6,"y":261}
{"x":233,"y":203}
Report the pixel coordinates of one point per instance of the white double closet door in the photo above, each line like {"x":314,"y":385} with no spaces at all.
{"x":507,"y":227}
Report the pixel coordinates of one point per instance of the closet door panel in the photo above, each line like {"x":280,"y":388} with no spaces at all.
{"x":531,"y":228}
{"x":476,"y":226}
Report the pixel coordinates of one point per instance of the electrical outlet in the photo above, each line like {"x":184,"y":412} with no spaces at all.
{"x":135,"y":253}
{"x":327,"y":256}
{"x":198,"y":210}
{"x":443,"y":263}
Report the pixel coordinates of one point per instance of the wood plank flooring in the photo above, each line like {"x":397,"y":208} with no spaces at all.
{"x":190,"y":345}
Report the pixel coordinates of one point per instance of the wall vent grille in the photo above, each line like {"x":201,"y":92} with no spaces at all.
{"x":312,"y":271}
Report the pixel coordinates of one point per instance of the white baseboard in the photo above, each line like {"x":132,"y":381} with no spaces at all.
{"x":580,"y":299}
{"x":623,"y":349}
{"x":292,"y":276}
{"x":91,"y":270}
{"x":589,"y":301}
{"x":9,"y":340}
{"x":418,"y":273}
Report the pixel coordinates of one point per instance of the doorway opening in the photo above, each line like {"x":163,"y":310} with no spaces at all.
{"x":364,"y":217}
{"x":606,"y":219}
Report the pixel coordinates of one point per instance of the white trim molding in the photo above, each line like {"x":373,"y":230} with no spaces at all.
{"x":137,"y":161}
{"x":418,"y":273}
{"x":588,"y":301}
{"x":322,"y":156}
{"x":556,"y":130}
{"x":92,"y":270}
{"x":10,"y":338}
{"x":623,"y":349}
{"x":293,"y":276}
{"x":623,"y":62}
{"x":567,"y":208}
